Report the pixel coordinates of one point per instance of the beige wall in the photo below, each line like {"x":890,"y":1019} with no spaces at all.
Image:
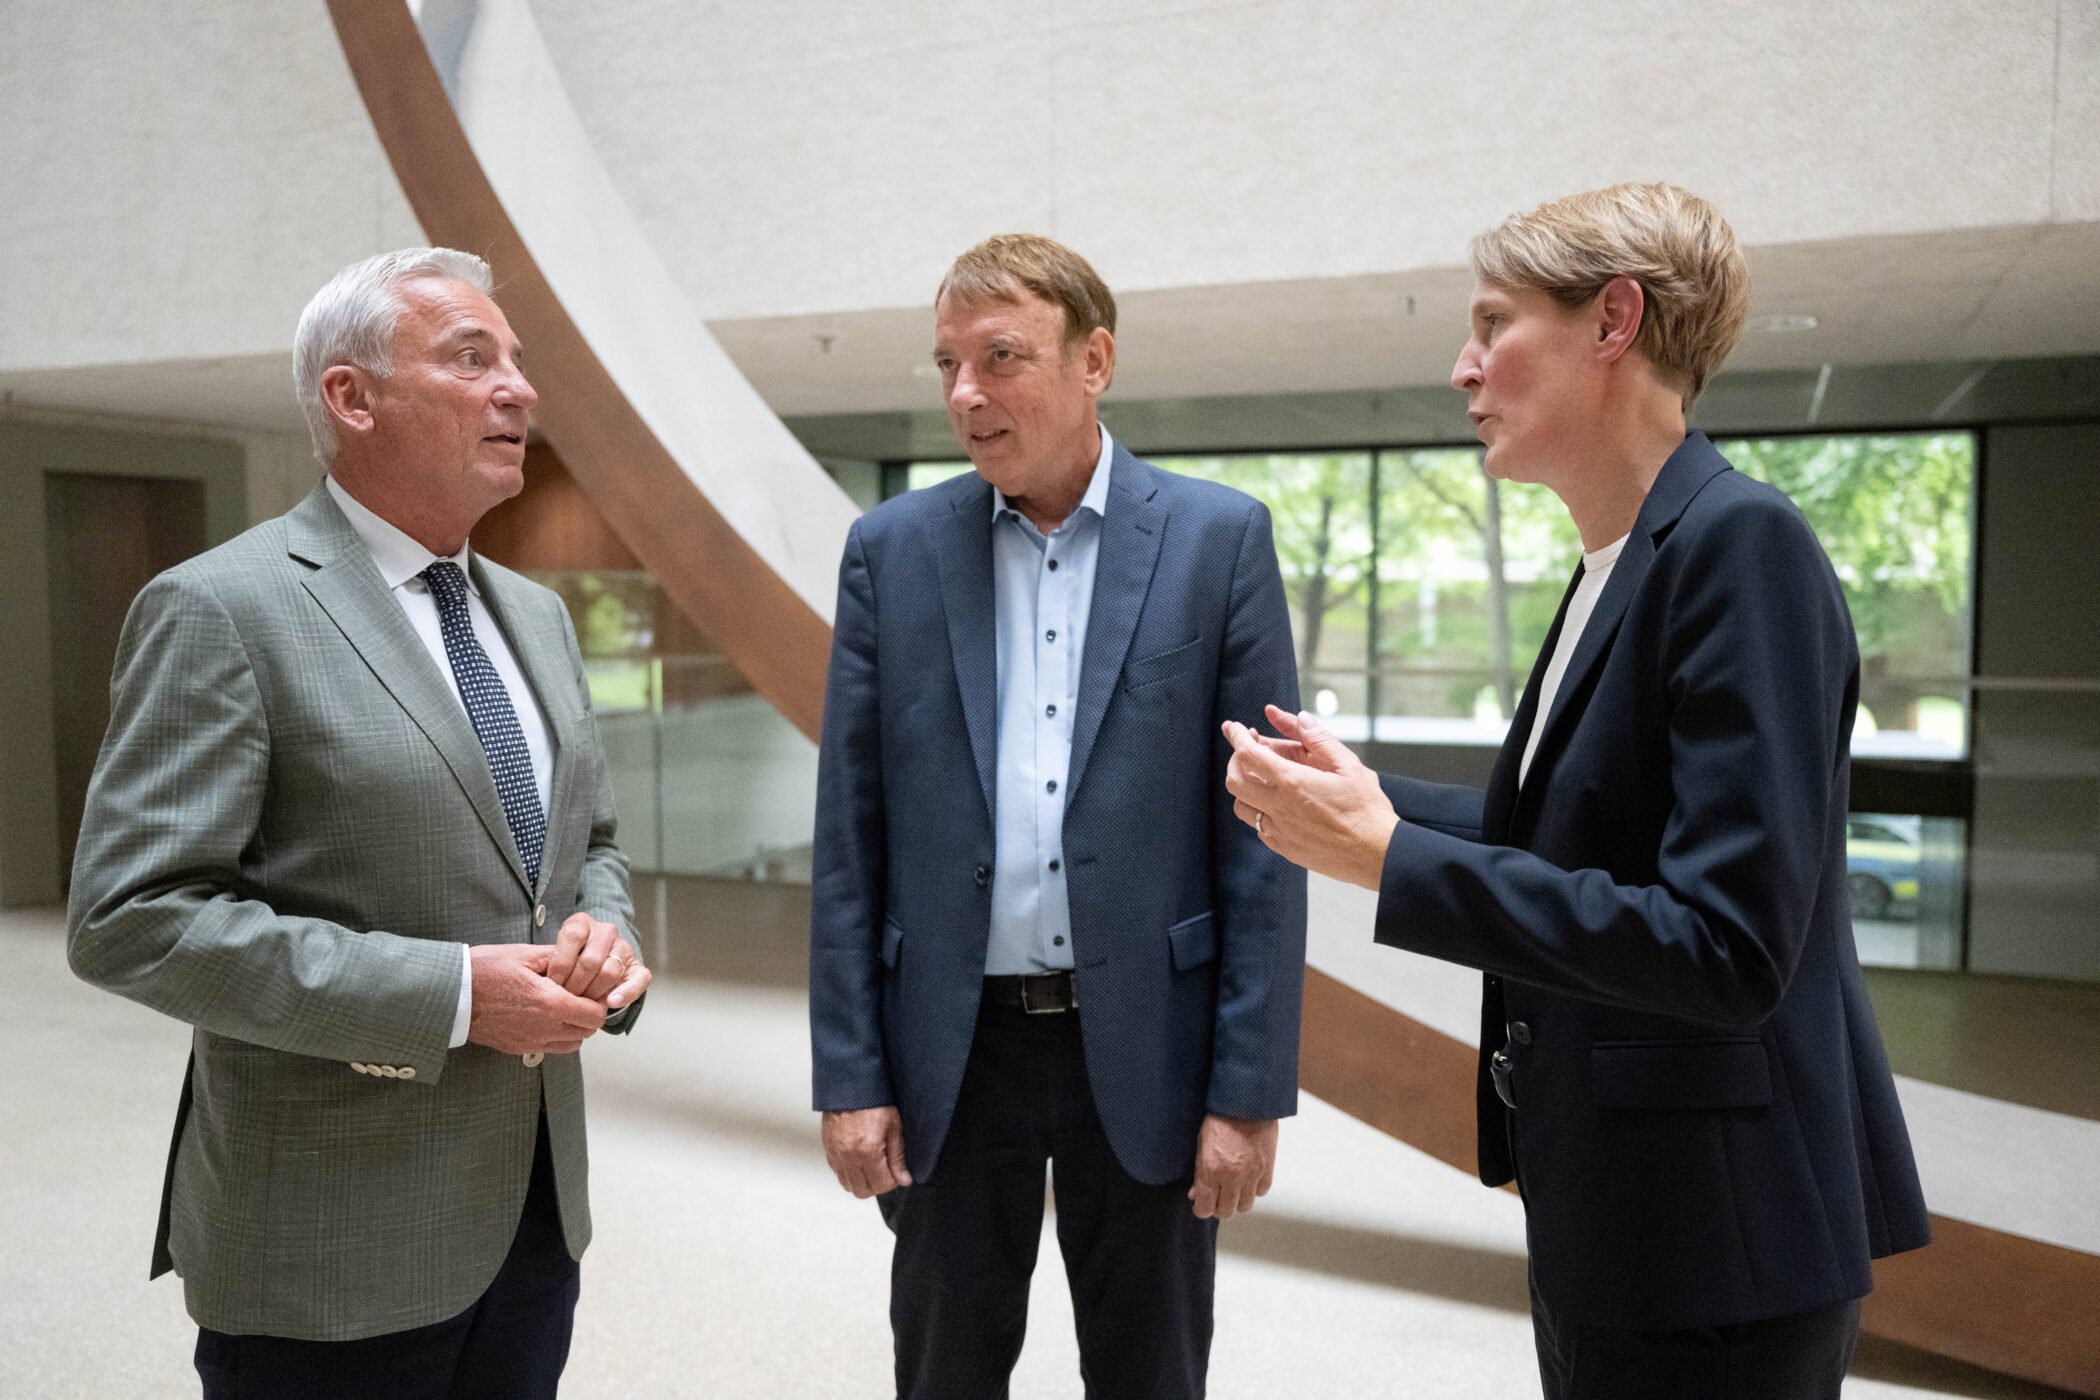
{"x":30,"y":448}
{"x":180,"y":177}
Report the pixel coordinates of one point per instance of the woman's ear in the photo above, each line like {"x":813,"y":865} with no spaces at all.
{"x":1619,"y":309}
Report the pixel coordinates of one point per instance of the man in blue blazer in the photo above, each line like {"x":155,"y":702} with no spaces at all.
{"x":1679,"y":1066}
{"x":1038,"y":934}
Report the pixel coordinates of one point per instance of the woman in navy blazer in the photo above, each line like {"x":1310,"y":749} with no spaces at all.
{"x":1679,"y":1065}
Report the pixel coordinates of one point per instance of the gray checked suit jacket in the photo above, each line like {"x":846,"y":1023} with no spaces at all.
{"x":290,"y":829}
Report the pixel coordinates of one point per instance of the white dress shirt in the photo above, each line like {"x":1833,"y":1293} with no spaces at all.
{"x":401,"y":563}
{"x":1596,"y":571}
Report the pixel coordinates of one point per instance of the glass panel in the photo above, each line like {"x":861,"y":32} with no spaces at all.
{"x":1320,"y":508}
{"x":923,"y":474}
{"x":709,"y":779}
{"x":1894,"y":513}
{"x":1904,"y":877}
{"x":1470,"y":573}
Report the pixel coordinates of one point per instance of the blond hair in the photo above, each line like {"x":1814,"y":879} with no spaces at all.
{"x":1007,"y":264}
{"x":1695,"y":286}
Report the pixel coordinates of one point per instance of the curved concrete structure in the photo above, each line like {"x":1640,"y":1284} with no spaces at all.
{"x":712,"y":493}
{"x":742,"y":529}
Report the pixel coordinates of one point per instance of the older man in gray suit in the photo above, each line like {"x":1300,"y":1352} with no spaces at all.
{"x":352,"y":822}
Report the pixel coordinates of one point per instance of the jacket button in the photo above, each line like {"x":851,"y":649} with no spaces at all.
{"x":361,"y":1069}
{"x":408,"y":1071}
{"x":539,"y":915}
{"x":984,"y":877}
{"x":1520,"y":1033}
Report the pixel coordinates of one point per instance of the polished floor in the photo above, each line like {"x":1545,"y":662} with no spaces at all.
{"x":727,"y":1263}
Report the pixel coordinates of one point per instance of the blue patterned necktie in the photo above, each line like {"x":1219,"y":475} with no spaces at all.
{"x":495,"y":721}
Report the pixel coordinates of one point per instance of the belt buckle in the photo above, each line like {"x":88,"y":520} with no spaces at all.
{"x":1502,"y":1070}
{"x":1051,"y":983}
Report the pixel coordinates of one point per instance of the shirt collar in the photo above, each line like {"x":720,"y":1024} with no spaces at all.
{"x":396,"y":552}
{"x":1096,"y":497}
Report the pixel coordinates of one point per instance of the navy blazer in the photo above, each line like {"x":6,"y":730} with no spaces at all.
{"x":1706,"y":1129}
{"x":1188,"y":934}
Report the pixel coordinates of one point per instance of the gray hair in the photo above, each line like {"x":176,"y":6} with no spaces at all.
{"x":352,"y":321}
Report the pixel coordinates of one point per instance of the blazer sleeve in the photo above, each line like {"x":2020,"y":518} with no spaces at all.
{"x":1258,"y":898}
{"x":849,"y":1067}
{"x":1451,"y":808}
{"x":159,"y":910}
{"x":1758,"y":662}
{"x":604,"y":890}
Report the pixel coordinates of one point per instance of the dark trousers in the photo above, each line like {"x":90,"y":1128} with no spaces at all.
{"x":510,"y":1345}
{"x":1140,"y":1265}
{"x":1799,"y":1357}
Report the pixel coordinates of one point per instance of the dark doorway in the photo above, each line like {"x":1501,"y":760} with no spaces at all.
{"x":105,"y":538}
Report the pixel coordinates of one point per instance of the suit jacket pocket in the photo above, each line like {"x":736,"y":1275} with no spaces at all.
{"x":1161,"y":665}
{"x":1193,"y":942}
{"x":892,"y":940}
{"x":1721,"y":1072}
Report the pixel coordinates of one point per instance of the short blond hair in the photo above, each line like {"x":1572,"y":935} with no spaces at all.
{"x":1007,"y":264}
{"x":1675,"y":244}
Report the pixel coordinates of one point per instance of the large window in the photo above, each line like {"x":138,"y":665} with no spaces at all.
{"x":1422,"y":590}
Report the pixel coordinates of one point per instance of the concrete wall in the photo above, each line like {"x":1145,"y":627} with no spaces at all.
{"x":181,"y":177}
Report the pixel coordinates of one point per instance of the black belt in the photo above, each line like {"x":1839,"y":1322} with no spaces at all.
{"x":1037,"y":993}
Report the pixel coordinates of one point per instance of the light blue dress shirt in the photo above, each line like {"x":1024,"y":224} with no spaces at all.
{"x":1043,"y":587}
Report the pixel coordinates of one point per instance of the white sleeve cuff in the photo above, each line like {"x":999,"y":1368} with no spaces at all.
{"x":465,"y":1013}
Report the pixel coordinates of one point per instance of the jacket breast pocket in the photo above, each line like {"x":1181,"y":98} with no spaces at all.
{"x":1720,"y":1072}
{"x":1193,"y":942}
{"x":1161,"y":665}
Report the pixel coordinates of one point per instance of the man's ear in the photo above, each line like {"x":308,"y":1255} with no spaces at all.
{"x":1620,"y":308}
{"x":1100,"y":360}
{"x":346,"y":394}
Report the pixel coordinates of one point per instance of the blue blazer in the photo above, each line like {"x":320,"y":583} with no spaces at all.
{"x":1706,"y":1130}
{"x":1187,"y":933}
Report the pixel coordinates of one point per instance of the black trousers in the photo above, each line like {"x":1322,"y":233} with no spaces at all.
{"x":1799,"y":1357}
{"x":1140,"y":1265}
{"x":510,"y":1345}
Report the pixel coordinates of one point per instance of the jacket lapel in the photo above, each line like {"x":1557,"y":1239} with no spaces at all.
{"x":1131,"y":532}
{"x":347,"y":585}
{"x":963,"y":549}
{"x":543,"y":656}
{"x":1690,"y":467}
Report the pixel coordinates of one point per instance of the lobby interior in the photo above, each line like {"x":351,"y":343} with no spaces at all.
{"x":1284,"y":223}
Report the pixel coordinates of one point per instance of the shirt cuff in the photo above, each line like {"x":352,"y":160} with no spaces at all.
{"x":465,"y":1013}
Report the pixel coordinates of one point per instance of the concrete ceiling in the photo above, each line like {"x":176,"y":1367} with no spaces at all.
{"x":1982,"y":294}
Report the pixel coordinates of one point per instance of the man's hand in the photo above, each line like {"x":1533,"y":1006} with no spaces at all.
{"x":1235,"y":1162}
{"x":592,"y":961}
{"x":1312,"y":800}
{"x":865,"y":1147}
{"x":518,"y":1009}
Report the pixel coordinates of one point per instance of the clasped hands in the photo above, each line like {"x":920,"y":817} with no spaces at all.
{"x":548,"y":998}
{"x":1310,"y":798}
{"x":1235,"y":1158}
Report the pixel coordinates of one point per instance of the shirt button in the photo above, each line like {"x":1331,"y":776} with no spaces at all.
{"x":1053,"y":566}
{"x":1051,"y":635}
{"x":1054,"y":864}
{"x":1059,"y":940}
{"x":1052,"y":785}
{"x":1050,"y":710}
